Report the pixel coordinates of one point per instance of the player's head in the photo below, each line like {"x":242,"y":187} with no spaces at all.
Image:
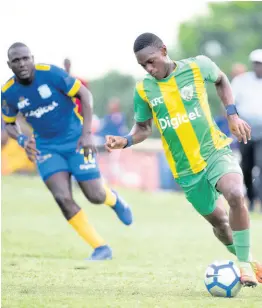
{"x":67,"y":65}
{"x":256,"y":58}
{"x":20,"y":61}
{"x":151,"y":54}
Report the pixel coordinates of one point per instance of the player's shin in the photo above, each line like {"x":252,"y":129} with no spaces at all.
{"x":82,"y":226}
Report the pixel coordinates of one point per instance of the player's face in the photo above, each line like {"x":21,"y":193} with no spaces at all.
{"x":21,"y":62}
{"x":154,"y":61}
{"x":257,"y":66}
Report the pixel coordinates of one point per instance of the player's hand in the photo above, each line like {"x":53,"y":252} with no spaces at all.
{"x":86,"y":142}
{"x":30,"y":148}
{"x":115,"y":142}
{"x":239,"y":128}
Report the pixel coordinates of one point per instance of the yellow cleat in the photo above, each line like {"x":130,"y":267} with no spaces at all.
{"x":257,"y":268}
{"x":247,"y":275}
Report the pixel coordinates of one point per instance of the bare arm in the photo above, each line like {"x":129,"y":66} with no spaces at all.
{"x":140,"y":132}
{"x":237,"y":126}
{"x":86,"y":100}
{"x":13,"y":130}
{"x":224,"y":90}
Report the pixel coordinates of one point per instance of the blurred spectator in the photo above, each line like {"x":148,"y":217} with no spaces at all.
{"x":247,"y":89}
{"x":14,"y":158}
{"x":238,"y":69}
{"x":113,"y":123}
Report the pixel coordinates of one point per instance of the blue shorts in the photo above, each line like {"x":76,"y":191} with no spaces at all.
{"x":63,"y":157}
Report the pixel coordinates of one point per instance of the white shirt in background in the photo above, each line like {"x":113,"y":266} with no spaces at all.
{"x":247,"y":91}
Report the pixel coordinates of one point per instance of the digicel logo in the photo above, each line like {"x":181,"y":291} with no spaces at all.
{"x":179,"y":119}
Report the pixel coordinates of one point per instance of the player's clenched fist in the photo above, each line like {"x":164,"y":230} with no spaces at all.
{"x":115,"y":142}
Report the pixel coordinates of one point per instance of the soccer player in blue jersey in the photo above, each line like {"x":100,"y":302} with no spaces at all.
{"x":61,"y":144}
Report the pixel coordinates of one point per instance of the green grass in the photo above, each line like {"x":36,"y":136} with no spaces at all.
{"x":158,"y":262}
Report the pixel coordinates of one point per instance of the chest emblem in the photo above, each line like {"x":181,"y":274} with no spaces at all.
{"x":44,"y":91}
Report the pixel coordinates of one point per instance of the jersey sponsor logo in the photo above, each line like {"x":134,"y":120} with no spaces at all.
{"x":156,"y":101}
{"x":43,"y":158}
{"x":23,"y":103}
{"x":41,"y":110}
{"x":44,"y":91}
{"x":179,"y":119}
{"x":87,"y":166}
{"x":187,"y":92}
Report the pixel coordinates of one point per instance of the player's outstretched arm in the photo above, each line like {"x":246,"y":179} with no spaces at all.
{"x":140,"y":132}
{"x":238,"y":127}
{"x":86,"y":140}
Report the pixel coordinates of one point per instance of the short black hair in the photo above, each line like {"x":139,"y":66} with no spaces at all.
{"x":17,"y":44}
{"x":147,"y":39}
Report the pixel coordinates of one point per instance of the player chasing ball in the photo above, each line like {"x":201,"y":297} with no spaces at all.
{"x":61,"y":146}
{"x":173,"y":94}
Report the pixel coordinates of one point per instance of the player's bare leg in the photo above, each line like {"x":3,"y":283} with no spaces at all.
{"x":98,"y":193}
{"x":60,"y":186}
{"x":220,"y":221}
{"x":231,"y":186}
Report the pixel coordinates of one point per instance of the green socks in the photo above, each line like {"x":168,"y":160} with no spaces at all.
{"x":241,"y":240}
{"x":231,"y":248}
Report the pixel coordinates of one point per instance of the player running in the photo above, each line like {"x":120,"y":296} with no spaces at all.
{"x":173,"y":94}
{"x":61,"y":144}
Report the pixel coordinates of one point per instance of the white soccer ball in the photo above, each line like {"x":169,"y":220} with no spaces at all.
{"x":222,"y":279}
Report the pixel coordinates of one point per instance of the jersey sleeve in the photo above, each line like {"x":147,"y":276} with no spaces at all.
{"x":9,"y":111}
{"x":143,"y":111}
{"x":64,"y":82}
{"x":209,"y":69}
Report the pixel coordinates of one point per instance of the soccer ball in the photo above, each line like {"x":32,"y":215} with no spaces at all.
{"x":222,"y":278}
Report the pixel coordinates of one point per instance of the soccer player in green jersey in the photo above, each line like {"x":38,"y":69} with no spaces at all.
{"x":173,"y":94}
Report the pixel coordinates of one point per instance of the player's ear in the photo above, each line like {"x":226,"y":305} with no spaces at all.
{"x":9,"y":64}
{"x":33,"y":59}
{"x":164,"y":50}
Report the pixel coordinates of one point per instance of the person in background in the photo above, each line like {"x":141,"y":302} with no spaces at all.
{"x":114,"y":122}
{"x":238,"y":69}
{"x":247,"y":89}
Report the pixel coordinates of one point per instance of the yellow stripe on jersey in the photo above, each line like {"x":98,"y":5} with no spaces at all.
{"x":141,"y":91}
{"x":42,"y":67}
{"x":8,"y":119}
{"x":8,"y":85}
{"x":185,"y":132}
{"x":202,"y":97}
{"x":75,"y":88}
{"x":171,"y":161}
{"x":78,"y":114}
{"x":169,"y":156}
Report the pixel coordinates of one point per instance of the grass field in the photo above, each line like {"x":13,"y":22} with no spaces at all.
{"x":158,"y":262}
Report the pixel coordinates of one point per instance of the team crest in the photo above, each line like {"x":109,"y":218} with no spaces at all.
{"x":44,"y":91}
{"x":187,"y":92}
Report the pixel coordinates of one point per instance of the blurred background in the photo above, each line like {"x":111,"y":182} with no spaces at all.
{"x":93,"y":41}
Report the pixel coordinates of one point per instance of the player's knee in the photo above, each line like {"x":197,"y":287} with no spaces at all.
{"x":222,"y":228}
{"x":63,"y":199}
{"x":97,"y":197}
{"x":235,"y":196}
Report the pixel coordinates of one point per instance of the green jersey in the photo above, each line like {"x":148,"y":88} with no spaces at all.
{"x":180,"y":109}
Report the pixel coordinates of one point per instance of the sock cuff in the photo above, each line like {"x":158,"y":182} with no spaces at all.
{"x":79,"y":214}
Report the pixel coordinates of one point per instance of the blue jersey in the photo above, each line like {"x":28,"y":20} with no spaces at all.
{"x":47,"y":104}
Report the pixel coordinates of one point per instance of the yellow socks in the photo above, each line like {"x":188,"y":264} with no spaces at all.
{"x":110,"y":197}
{"x":80,"y":223}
